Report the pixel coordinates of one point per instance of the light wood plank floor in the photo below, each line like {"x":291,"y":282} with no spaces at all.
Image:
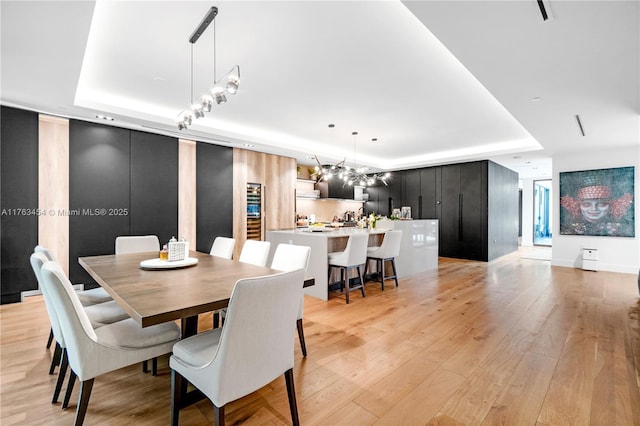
{"x":512,"y":342}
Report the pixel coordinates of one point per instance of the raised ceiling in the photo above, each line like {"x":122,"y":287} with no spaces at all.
{"x":434,"y":82}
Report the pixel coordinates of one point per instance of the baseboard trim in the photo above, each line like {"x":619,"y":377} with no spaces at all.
{"x":38,"y":292}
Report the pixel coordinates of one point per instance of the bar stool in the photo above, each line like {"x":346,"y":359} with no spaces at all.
{"x":353,"y":256}
{"x":387,"y":251}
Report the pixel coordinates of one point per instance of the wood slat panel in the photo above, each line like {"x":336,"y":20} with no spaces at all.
{"x":53,"y":187}
{"x":277,"y":175}
{"x":187,"y":190}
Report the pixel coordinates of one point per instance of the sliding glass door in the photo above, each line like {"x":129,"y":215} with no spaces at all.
{"x":542,"y":214}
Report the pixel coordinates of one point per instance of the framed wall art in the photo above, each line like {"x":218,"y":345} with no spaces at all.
{"x":597,"y":202}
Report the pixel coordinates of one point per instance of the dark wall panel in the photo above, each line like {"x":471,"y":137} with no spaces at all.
{"x":214,"y":192}
{"x":154,"y":185}
{"x":99,"y":185}
{"x":19,"y":199}
{"x":473,"y":190}
{"x":411,"y":193}
{"x":503,"y":220}
{"x":449,"y":218}
{"x":428,"y":193}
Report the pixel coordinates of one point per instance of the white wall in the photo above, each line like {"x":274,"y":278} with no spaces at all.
{"x":617,"y":254}
{"x":527,"y":211}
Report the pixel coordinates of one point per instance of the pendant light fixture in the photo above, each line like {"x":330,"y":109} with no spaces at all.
{"x":217,"y":93}
{"x":350,"y":176}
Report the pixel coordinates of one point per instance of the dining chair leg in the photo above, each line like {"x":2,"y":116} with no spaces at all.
{"x":216,"y":319}
{"x":154,"y":367}
{"x":381,"y":272}
{"x":145,"y":366}
{"x":50,"y":340}
{"x":218,"y":415}
{"x":345,"y":281}
{"x":83,"y":401}
{"x":303,"y":346}
{"x":55,"y":360}
{"x":393,"y":267}
{"x":70,"y":384}
{"x":176,"y":396}
{"x":361,"y":280}
{"x":291,"y":392}
{"x":366,"y":267}
{"x":61,"y":374}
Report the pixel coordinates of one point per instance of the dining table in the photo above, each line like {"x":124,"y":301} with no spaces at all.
{"x":161,"y":292}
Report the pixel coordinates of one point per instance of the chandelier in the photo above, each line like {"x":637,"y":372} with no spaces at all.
{"x":228,"y":84}
{"x":350,"y":176}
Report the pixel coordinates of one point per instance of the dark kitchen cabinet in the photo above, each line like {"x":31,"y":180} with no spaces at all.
{"x":449,"y":214}
{"x":463,"y":211}
{"x":427,"y":204}
{"x":384,"y":198}
{"x":335,"y":188}
{"x":477,"y":206}
{"x":473,"y":211}
{"x":371,"y":205}
{"x":390,"y":196}
{"x":411,"y":191}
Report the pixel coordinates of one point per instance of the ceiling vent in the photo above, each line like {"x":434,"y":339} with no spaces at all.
{"x":545,"y":10}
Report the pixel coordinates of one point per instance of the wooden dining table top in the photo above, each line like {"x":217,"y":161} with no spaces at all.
{"x":156,"y":296}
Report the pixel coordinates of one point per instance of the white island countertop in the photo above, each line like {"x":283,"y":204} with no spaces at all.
{"x":418,"y":249}
{"x":332,"y":232}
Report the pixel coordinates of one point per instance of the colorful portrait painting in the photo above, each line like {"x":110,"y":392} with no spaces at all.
{"x":597,"y":202}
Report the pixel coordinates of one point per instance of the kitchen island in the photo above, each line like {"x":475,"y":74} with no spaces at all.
{"x":418,"y":251}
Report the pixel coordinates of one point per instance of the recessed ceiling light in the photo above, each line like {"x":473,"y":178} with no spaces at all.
{"x":331,"y":126}
{"x":516,"y":157}
{"x":527,"y":162}
{"x":248,"y":145}
{"x":536,"y":99}
{"x":311,"y":157}
{"x":104,"y":117}
{"x":374,"y":139}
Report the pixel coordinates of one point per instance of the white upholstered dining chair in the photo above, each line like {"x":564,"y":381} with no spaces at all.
{"x":99,"y":314}
{"x":92,"y":352}
{"x":139,"y":244}
{"x":254,"y":347}
{"x":223,"y":247}
{"x":289,"y":257}
{"x":255,"y":252}
{"x":87,"y":297}
{"x":38,"y":259}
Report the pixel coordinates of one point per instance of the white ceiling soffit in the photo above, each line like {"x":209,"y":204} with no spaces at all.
{"x":371,"y":67}
{"x":367,"y":66}
{"x":584,"y":61}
